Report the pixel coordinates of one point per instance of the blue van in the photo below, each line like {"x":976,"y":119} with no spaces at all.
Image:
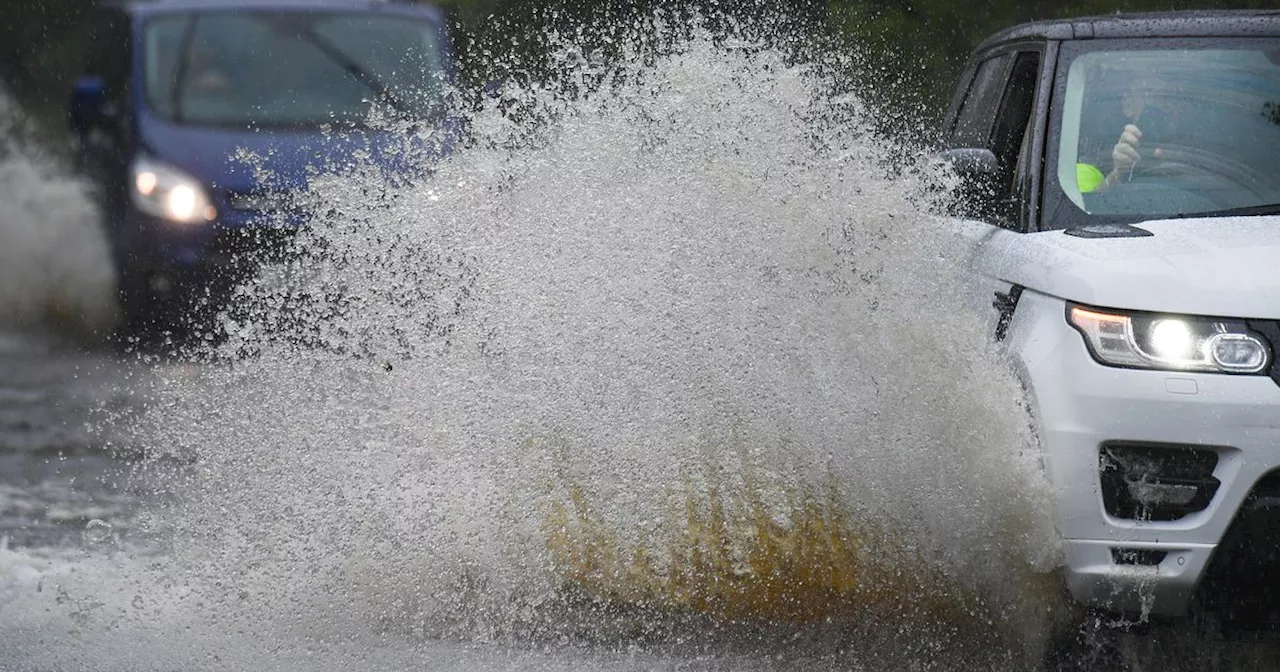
{"x":173,"y":91}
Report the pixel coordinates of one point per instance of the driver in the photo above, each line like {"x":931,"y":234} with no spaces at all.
{"x":1141,"y":123}
{"x":207,"y":76}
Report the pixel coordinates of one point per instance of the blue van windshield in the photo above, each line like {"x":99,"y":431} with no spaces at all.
{"x":291,"y":69}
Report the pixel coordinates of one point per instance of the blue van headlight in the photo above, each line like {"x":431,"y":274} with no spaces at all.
{"x":1170,"y":342}
{"x":163,"y":190}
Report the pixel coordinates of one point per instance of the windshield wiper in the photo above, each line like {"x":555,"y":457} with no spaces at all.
{"x":1265,"y":209}
{"x":180,"y":71}
{"x":365,"y":77}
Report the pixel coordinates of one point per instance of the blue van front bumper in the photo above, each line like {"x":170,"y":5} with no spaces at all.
{"x":176,"y":259}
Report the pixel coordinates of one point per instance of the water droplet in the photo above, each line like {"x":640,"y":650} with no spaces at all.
{"x":97,"y":531}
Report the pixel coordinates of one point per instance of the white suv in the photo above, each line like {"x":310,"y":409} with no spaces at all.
{"x":1122,"y":185}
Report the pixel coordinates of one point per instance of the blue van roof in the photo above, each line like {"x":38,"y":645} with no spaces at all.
{"x":143,"y":7}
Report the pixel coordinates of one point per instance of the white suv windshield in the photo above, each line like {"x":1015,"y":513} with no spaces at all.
{"x":275,"y":69}
{"x":1207,"y":124}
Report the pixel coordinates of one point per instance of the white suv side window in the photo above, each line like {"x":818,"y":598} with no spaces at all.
{"x":974,"y":120}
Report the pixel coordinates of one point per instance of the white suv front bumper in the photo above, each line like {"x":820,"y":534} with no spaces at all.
{"x":1081,"y":405}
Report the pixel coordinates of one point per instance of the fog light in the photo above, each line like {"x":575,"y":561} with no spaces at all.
{"x":1156,"y":481}
{"x":1238,"y":352}
{"x":1156,"y":494}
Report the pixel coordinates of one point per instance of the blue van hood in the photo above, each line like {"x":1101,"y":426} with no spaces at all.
{"x":285,"y":158}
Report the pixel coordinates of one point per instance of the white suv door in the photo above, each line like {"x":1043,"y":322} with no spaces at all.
{"x":995,"y":130}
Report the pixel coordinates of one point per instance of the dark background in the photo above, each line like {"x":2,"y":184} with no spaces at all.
{"x":911,"y":49}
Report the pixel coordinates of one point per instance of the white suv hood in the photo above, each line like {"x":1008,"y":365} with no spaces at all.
{"x":1222,"y":266}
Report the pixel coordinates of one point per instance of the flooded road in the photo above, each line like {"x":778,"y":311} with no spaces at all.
{"x":57,"y":466}
{"x":85,"y":586}
{"x":71,"y":488}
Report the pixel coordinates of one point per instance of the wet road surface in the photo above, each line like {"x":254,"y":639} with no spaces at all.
{"x":61,"y":460}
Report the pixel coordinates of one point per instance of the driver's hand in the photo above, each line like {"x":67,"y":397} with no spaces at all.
{"x":1125,"y":154}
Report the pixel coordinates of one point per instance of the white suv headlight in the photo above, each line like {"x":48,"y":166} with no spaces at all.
{"x":1169,"y":342}
{"x":166,"y":191}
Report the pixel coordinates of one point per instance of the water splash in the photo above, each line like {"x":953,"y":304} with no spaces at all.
{"x":55,"y":269}
{"x":685,"y":361}
{"x":690,"y":293}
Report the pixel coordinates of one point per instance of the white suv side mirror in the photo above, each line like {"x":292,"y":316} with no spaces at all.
{"x":979,"y":171}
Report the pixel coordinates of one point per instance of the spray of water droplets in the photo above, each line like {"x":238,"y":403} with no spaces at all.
{"x":685,"y":360}
{"x":55,"y":270}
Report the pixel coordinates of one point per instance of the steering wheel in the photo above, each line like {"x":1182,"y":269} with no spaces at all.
{"x":1182,"y":162}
